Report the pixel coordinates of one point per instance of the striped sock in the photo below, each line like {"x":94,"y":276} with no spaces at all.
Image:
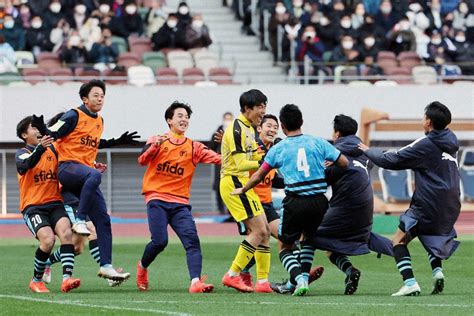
{"x":435,"y":263}
{"x":67,"y":260}
{"x":94,"y":250}
{"x":403,"y":260}
{"x":54,"y":257}
{"x":342,"y":262}
{"x":249,"y":266}
{"x":306,"y":260}
{"x":41,"y":258}
{"x":291,"y":265}
{"x":242,"y":258}
{"x":262,"y":259}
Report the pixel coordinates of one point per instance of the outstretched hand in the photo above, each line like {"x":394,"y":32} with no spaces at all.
{"x":363,"y":147}
{"x":38,"y":123}
{"x":218,"y":136}
{"x":237,"y":191}
{"x":128,"y":138}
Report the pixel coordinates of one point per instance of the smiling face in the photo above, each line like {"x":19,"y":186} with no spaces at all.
{"x":268,"y":131}
{"x":94,"y":100}
{"x":32,"y":136}
{"x":255,"y":114}
{"x":179,"y":123}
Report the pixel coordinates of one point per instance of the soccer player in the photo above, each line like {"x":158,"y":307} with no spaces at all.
{"x":239,"y":156}
{"x":41,"y":204}
{"x":171,"y":160}
{"x":300,"y":159}
{"x":77,"y":134}
{"x":435,"y":205}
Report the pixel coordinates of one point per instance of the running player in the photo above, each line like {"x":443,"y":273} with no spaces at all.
{"x":171,"y":160}
{"x":41,"y":204}
{"x":239,"y":156}
{"x":435,"y":205}
{"x":78,"y":135}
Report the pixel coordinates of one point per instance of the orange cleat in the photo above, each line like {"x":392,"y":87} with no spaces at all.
{"x":200,"y":286}
{"x":247,"y":278}
{"x":236,"y":282}
{"x":70,"y":284}
{"x":38,"y":287}
{"x":142,"y":277}
{"x":315,"y":273}
{"x":263,"y":287}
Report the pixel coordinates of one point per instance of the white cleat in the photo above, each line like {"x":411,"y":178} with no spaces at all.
{"x":413,"y":290}
{"x":47,"y":275}
{"x":112,"y":274}
{"x":438,"y":283}
{"x":80,"y":228}
{"x":113,"y":283}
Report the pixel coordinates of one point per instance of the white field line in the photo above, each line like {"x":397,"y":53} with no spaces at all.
{"x":75,"y":303}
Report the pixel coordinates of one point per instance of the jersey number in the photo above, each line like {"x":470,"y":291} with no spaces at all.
{"x":36,"y":220}
{"x":302,"y":162}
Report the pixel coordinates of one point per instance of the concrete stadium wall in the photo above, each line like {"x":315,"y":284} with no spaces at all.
{"x":142,"y":109}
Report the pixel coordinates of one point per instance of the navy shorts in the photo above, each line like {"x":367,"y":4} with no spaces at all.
{"x":39,"y":216}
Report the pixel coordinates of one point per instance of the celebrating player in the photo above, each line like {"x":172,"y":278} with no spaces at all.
{"x":171,"y":160}
{"x":435,"y":205}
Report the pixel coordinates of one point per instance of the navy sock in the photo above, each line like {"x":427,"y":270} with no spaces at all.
{"x":291,"y":264}
{"x":403,"y":260}
{"x":249,"y":265}
{"x":306,"y":259}
{"x":436,"y":264}
{"x":342,"y":262}
{"x":94,"y":250}
{"x":41,"y":258}
{"x":67,"y":260}
{"x":54,"y":257}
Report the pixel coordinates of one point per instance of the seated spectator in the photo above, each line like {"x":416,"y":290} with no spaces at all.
{"x":433,"y":14}
{"x":311,"y":14}
{"x":337,"y":11}
{"x":24,"y":17}
{"x":90,"y":32}
{"x":13,"y":33}
{"x":117,"y":7}
{"x":309,"y":46}
{"x":77,"y":19}
{"x":345,"y":27}
{"x":278,"y":19}
{"x":358,"y":16}
{"x":401,"y":39}
{"x":37,"y":38}
{"x":183,"y":14}
{"x":74,"y":52}
{"x":52,"y":15}
{"x":461,"y":51}
{"x":59,"y":34}
{"x":104,"y":51}
{"x":346,"y":52}
{"x":11,"y":8}
{"x":371,"y":6}
{"x":38,"y":7}
{"x":169,"y":35}
{"x":369,"y":48}
{"x":291,"y":29}
{"x":103,"y":11}
{"x":155,"y":17}
{"x":7,"y":56}
{"x":386,"y":18}
{"x":327,"y":32}
{"x":196,"y":34}
{"x":437,"y":50}
{"x":463,"y":17}
{"x":132,"y":20}
{"x":297,"y":9}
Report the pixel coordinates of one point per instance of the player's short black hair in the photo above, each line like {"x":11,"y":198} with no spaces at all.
{"x":87,"y":87}
{"x":269,"y":117}
{"x":291,"y":117}
{"x":55,"y":119}
{"x":439,"y":114}
{"x":177,"y":105}
{"x":251,"y":99}
{"x":345,"y":125}
{"x":22,"y":126}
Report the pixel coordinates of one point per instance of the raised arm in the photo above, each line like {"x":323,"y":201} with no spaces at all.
{"x":202,"y":154}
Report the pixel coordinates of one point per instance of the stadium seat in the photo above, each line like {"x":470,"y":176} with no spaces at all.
{"x":327,"y":56}
{"x":409,"y":60}
{"x":386,"y":59}
{"x":341,"y":71}
{"x":34,"y":75}
{"x":206,"y":60}
{"x":48,"y":60}
{"x":116,"y":76}
{"x":62,"y":75}
{"x":399,"y":74}
{"x":193,"y":75}
{"x":24,"y":59}
{"x":360,"y":83}
{"x":129,"y":59}
{"x":466,"y":170}
{"x":450,"y":73}
{"x":424,"y":75}
{"x":121,"y":44}
{"x":396,"y":185}
{"x":385,"y":83}
{"x":221,"y":75}
{"x":167,"y":76}
{"x":8,"y":77}
{"x":154,"y":60}
{"x":140,"y":76}
{"x":139,"y":45}
{"x":180,"y":60}
{"x":84,"y":75}
{"x":19,"y":84}
{"x":165,"y":50}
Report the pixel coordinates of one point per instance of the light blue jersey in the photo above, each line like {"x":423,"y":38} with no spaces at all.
{"x":300,"y":159}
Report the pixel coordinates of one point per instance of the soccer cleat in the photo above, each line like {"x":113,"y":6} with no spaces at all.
{"x":200,"y":286}
{"x":70,"y":284}
{"x":413,"y":290}
{"x":142,"y":277}
{"x":80,"y":228}
{"x":263,"y":287}
{"x":247,"y":278}
{"x":112,"y":274}
{"x":47,"y":275}
{"x":352,"y":282}
{"x":282,"y":288}
{"x":315,"y":273}
{"x":38,"y":287}
{"x":438,"y":283}
{"x":301,"y":288}
{"x":236,"y":282}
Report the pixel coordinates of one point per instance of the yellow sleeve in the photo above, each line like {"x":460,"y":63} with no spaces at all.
{"x":234,"y":135}
{"x":243,"y":164}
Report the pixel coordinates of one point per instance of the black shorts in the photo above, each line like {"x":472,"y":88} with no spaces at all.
{"x":301,"y":215}
{"x":270,"y":213}
{"x":39,"y":216}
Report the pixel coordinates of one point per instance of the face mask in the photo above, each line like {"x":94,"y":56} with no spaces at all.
{"x":183,"y":10}
{"x":386,"y":10}
{"x":75,"y":40}
{"x":172,"y":23}
{"x":369,"y":41}
{"x":81,"y":9}
{"x":309,"y":35}
{"x":415,"y":7}
{"x":346,"y":24}
{"x":347,"y":44}
{"x":55,"y":7}
{"x":104,"y":8}
{"x":436,"y":41}
{"x":463,"y":9}
{"x":280,"y":10}
{"x":460,"y":38}
{"x":9,"y":24}
{"x":36,"y":24}
{"x":131,"y":9}
{"x":308,"y":7}
{"x":324,"y":21}
{"x":198,"y":23}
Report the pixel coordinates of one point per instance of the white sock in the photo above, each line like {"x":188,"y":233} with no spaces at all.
{"x":233,"y":273}
{"x":194,"y":280}
{"x":262,"y":281}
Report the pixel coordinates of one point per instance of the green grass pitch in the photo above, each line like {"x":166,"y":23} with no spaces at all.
{"x":169,"y":285}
